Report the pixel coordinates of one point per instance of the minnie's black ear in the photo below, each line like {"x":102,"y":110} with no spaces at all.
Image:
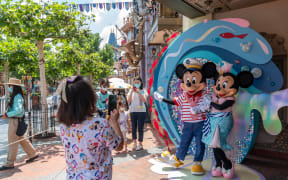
{"x":209,"y":70}
{"x":180,"y":71}
{"x":245,"y":79}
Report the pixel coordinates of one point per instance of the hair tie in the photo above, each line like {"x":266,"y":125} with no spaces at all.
{"x":61,"y":90}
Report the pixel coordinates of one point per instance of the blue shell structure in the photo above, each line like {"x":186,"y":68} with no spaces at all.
{"x":222,"y":42}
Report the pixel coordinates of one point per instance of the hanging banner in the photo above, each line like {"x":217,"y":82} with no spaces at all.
{"x":108,"y":6}
{"x":102,"y":6}
{"x":113,"y":5}
{"x":87,"y":7}
{"x":91,"y":7}
{"x":81,"y":7}
{"x":120,"y":5}
{"x":127,"y":6}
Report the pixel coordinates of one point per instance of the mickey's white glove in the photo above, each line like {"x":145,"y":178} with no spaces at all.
{"x":158,"y":96}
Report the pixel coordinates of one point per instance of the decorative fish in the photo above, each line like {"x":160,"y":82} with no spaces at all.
{"x":229,"y":35}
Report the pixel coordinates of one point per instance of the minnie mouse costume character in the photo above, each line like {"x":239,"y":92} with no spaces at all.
{"x":194,"y":102}
{"x":220,"y":120}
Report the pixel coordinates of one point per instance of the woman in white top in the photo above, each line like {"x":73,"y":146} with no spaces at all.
{"x":136,"y":99}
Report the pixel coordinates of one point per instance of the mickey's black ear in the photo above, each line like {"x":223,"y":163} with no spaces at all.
{"x":245,"y":79}
{"x":209,"y":69}
{"x":180,"y":71}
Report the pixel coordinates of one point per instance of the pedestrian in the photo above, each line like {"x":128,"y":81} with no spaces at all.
{"x":102,"y":97}
{"x":123,"y":121}
{"x":14,"y":113}
{"x":87,"y":140}
{"x":136,"y":99}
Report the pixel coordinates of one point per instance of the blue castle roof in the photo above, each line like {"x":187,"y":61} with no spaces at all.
{"x":112,"y":39}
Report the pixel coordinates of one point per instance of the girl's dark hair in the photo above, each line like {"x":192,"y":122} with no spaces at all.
{"x":81,"y":102}
{"x":104,"y":82}
{"x":16,"y":90}
{"x":139,"y":79}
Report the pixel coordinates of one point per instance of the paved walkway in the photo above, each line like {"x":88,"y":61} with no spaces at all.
{"x":129,"y":166}
{"x":51,"y":165}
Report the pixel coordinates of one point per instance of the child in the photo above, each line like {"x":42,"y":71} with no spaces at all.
{"x":123,"y":121}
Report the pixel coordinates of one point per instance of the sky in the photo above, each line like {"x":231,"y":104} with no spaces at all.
{"x":105,"y":21}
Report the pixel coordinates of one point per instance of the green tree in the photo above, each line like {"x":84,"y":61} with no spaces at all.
{"x":70,"y":57}
{"x":39,"y":22}
{"x":107,"y":55}
{"x":84,"y":52}
{"x":15,"y":55}
{"x":88,"y":43}
{"x":20,"y":55}
{"x":95,"y":67}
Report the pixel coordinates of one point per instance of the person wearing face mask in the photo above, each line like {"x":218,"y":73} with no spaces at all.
{"x":123,"y":121}
{"x":136,"y":100}
{"x":16,"y":111}
{"x":102,"y":97}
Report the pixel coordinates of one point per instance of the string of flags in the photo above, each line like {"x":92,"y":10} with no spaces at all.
{"x":102,"y":6}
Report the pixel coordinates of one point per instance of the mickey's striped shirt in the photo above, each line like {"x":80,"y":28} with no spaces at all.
{"x":187,"y":102}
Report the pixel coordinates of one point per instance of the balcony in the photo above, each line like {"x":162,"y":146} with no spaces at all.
{"x":170,"y":23}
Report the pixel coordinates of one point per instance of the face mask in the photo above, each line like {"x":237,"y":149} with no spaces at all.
{"x":137,"y":85}
{"x":103,"y":90}
{"x":122,"y":109}
{"x":10,"y":90}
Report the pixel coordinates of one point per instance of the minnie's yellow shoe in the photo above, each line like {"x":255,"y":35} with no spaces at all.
{"x":197,"y":169}
{"x":171,"y":159}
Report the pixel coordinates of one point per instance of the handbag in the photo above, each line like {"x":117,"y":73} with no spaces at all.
{"x":22,"y":127}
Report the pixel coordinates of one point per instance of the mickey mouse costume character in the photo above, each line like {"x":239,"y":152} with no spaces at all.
{"x":194,"y":102}
{"x":220,"y":120}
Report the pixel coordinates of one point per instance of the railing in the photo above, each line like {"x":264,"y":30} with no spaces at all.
{"x":2,"y":105}
{"x":38,"y":119}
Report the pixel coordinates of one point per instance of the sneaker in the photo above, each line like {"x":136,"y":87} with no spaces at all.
{"x":139,"y":148}
{"x":134,"y":147}
{"x":197,"y":168}
{"x":228,"y":173}
{"x":3,"y":168}
{"x":216,"y":172}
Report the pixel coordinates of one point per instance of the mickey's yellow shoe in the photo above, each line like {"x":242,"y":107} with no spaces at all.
{"x":176,"y":162}
{"x":171,"y":159}
{"x":197,"y":169}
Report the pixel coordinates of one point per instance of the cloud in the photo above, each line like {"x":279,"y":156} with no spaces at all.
{"x":104,"y":34}
{"x":121,"y":15}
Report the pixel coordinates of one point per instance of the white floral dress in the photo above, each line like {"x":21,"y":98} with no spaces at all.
{"x":88,"y":149}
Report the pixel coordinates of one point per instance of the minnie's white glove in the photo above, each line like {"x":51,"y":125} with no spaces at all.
{"x":158,"y":96}
{"x":193,"y":110}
